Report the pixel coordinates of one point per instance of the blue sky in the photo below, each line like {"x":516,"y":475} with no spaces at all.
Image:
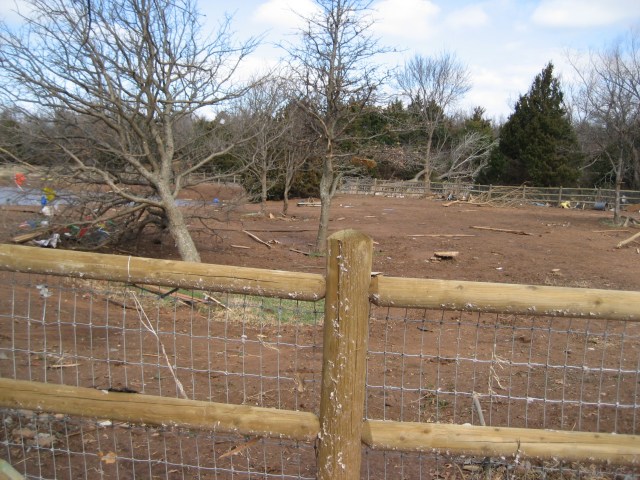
{"x":503,"y":43}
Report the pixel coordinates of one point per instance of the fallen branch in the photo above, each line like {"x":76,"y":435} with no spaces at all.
{"x":300,"y":251}
{"x":147,"y":324}
{"x":240,"y":448}
{"x":628,"y":240}
{"x":216,"y":301}
{"x":505,"y":230}
{"x":446,"y":255}
{"x":257,"y":239}
{"x":241,"y":246}
{"x":446,"y":235}
{"x":186,"y":299}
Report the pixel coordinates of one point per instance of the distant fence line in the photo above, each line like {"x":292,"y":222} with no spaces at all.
{"x":524,"y":193}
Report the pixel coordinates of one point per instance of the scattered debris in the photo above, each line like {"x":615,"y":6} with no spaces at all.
{"x":108,"y":458}
{"x":446,"y":255}
{"x":44,"y":291}
{"x":309,"y":203}
{"x":628,"y":240}
{"x":300,"y":251}
{"x":20,"y":178}
{"x":505,"y":230}
{"x":187,"y":299}
{"x":216,"y":301}
{"x":445,"y":235}
{"x":25,"y":237}
{"x":241,"y":246}
{"x":51,"y":242}
{"x":240,"y":448}
{"x":257,"y":239}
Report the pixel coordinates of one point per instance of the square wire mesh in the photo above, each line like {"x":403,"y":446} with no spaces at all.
{"x":423,"y":366}
{"x":198,"y":345}
{"x":501,"y":370}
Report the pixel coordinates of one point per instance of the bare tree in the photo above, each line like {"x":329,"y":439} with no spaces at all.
{"x":432,"y":85}
{"x":608,"y":108}
{"x":120,"y":85}
{"x":261,"y":115}
{"x":335,"y":67}
{"x":466,"y":157}
{"x":300,"y":147}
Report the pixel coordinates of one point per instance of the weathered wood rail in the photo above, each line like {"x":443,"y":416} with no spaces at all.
{"x":348,"y":289}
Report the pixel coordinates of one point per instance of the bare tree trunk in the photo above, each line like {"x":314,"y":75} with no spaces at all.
{"x":178,"y":228}
{"x":636,"y":168}
{"x":326,"y":193}
{"x":285,"y":200}
{"x":263,"y":193}
{"x":619,"y":171}
{"x":616,"y":207}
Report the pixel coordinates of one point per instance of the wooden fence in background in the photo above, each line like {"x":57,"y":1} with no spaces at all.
{"x":348,"y":290}
{"x":523,"y":194}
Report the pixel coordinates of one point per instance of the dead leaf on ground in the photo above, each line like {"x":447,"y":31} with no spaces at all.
{"x":108,"y":458}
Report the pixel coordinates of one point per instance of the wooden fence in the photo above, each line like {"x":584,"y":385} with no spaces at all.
{"x":341,"y":426}
{"x":523,"y":194}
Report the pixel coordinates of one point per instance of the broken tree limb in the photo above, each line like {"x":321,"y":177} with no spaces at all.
{"x":216,"y":301}
{"x":257,"y":239}
{"x":628,"y":240}
{"x":504,"y":230}
{"x":300,"y":251}
{"x":445,"y":235}
{"x":446,"y":255}
{"x":186,"y":299}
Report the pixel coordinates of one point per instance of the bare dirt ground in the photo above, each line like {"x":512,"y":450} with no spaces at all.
{"x":551,"y":246}
{"x":543,"y":246}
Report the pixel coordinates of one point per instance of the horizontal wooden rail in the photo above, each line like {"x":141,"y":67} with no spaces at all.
{"x":201,"y":276}
{"x":502,"y":442}
{"x":505,"y":298}
{"x":304,"y":426}
{"x":154,"y":410}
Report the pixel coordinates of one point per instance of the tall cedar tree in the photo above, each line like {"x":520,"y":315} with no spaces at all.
{"x":538,"y":141}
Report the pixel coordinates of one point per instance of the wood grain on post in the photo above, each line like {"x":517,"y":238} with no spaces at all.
{"x":349,"y":258}
{"x":171,"y":273}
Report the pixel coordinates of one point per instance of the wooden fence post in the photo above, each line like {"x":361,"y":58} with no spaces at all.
{"x":349,"y":258}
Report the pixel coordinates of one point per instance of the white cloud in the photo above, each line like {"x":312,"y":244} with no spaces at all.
{"x":9,"y":9}
{"x":284,"y":14}
{"x":409,"y":19}
{"x":468,"y":17}
{"x":584,"y":13}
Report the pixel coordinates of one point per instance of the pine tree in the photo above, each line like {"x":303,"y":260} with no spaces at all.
{"x":538,"y":140}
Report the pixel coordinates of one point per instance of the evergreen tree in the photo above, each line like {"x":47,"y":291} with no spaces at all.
{"x":538,"y":141}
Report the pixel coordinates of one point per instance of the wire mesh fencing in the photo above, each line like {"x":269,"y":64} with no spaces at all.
{"x":425,"y":366}
{"x":502,"y":370}
{"x":114,"y":337}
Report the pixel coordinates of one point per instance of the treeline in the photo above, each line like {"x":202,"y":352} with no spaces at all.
{"x":129,"y":98}
{"x":542,"y":143}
